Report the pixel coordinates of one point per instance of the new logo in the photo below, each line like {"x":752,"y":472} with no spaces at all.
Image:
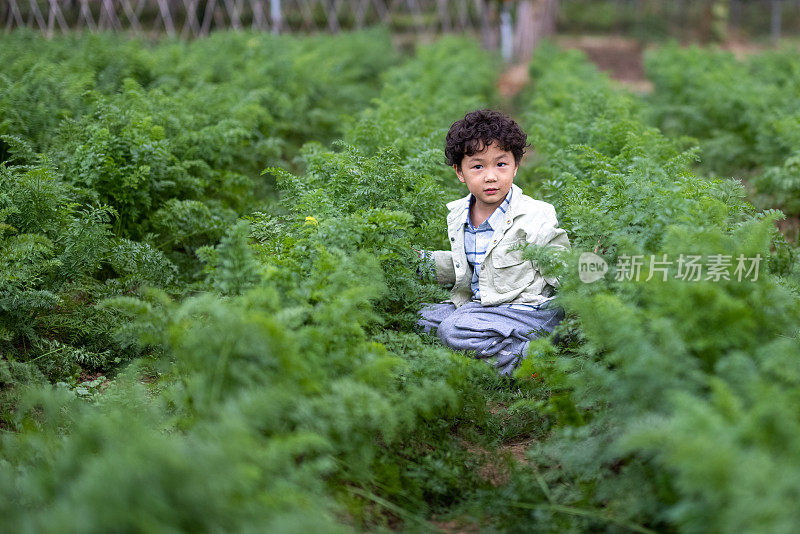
{"x":591,"y":267}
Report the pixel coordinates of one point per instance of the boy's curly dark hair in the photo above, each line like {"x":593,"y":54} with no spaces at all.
{"x":481,"y":128}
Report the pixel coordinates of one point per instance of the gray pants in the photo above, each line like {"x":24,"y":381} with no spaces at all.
{"x":498,"y":334}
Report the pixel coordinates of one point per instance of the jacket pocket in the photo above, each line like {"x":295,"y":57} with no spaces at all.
{"x":510,"y":270}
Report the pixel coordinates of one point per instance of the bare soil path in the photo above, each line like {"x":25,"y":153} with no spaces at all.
{"x":620,"y":57}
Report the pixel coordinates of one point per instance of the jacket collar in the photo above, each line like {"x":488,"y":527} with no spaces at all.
{"x":457,"y":207}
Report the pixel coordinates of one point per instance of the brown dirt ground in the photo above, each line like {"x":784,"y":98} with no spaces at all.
{"x":495,"y":469}
{"x":457,"y":526}
{"x":512,"y":80}
{"x":620,"y":57}
{"x":790,"y":228}
{"x":87,"y":376}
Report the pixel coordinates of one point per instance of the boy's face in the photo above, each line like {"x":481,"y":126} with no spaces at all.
{"x":488,"y":175}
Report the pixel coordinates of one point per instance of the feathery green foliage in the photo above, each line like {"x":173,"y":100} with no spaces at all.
{"x":274,"y":379}
{"x":119,"y":159}
{"x":291,"y":386}
{"x":642,"y":362}
{"x":744,"y":114}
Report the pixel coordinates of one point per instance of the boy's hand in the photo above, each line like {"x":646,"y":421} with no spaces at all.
{"x":426,"y":270}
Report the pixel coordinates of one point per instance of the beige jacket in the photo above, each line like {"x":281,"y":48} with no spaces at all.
{"x":505,"y":277}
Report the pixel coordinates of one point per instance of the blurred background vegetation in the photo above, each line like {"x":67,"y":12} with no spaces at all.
{"x":208,"y":290}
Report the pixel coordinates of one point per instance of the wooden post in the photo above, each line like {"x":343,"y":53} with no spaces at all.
{"x":276,"y":16}
{"x":14,"y":15}
{"x":233,"y":14}
{"x":536,"y":19}
{"x":486,"y":15}
{"x":190,"y":24}
{"x":133,"y":20}
{"x":677,"y":16}
{"x":506,"y":33}
{"x":166,"y":16}
{"x":775,"y":21}
{"x":463,"y":15}
{"x":84,"y":15}
{"x":51,"y":20}
{"x":444,"y":18}
{"x":102,"y":18}
{"x":259,"y":20}
{"x":332,"y":10}
{"x":111,"y":15}
{"x":37,"y":16}
{"x":360,"y":13}
{"x":207,"y":16}
{"x":383,"y":13}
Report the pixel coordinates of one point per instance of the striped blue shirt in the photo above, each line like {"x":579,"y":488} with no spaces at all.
{"x":476,"y":241}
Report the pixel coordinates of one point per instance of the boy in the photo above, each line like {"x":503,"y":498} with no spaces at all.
{"x":498,"y":301}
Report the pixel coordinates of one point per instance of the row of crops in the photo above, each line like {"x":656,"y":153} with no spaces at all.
{"x":208,"y":294}
{"x":744,"y":114}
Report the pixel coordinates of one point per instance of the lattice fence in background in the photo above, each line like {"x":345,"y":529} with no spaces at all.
{"x":192,"y":18}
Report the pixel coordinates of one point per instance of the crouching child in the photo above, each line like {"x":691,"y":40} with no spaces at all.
{"x":498,"y":300}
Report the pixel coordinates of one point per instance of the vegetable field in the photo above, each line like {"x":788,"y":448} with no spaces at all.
{"x":208,"y":292}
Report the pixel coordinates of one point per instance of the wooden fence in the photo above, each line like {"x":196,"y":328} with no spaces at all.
{"x":193,"y":18}
{"x":533,"y":18}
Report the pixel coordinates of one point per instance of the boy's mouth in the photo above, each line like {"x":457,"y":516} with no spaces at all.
{"x":490,"y":191}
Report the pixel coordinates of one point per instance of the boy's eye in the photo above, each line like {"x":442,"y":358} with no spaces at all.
{"x":477,"y":166}
{"x":502,"y":164}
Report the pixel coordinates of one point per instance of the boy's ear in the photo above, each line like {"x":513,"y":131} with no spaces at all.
{"x":459,"y":173}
